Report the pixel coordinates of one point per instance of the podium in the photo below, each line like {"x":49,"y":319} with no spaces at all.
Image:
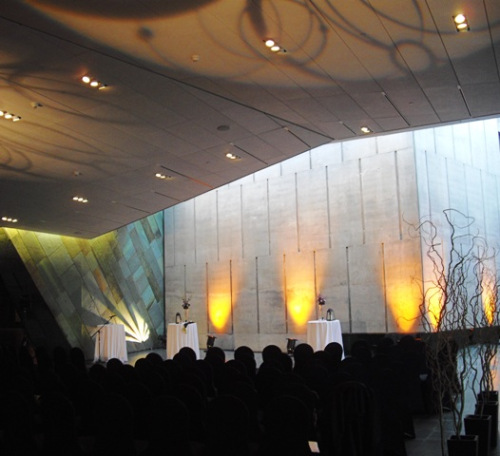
{"x":321,"y":332}
{"x":181,"y":335}
{"x":110,"y":343}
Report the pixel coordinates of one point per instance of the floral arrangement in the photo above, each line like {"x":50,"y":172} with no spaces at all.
{"x":321,"y":301}
{"x":185,"y":303}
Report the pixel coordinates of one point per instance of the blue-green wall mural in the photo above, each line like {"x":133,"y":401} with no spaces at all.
{"x":84,"y":282}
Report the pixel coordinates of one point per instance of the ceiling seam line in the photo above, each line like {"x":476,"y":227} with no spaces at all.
{"x":491,"y":39}
{"x":410,"y":72}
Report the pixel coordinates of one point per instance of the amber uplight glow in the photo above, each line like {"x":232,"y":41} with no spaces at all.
{"x":300,"y":301}
{"x":489,"y":297}
{"x":404,"y":300}
{"x":219,"y":310}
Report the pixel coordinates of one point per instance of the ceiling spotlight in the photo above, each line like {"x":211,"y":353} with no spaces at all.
{"x":366,"y":129}
{"x":9,"y":116}
{"x":80,"y":199}
{"x":269,"y":43}
{"x":9,"y":219}
{"x":162,"y":176}
{"x":232,"y":156}
{"x":94,"y":83}
{"x":461,"y":23}
{"x":275,"y":48}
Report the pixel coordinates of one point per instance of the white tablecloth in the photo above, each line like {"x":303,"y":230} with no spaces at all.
{"x":110,"y":343}
{"x":179,"y":336}
{"x":321,"y":332}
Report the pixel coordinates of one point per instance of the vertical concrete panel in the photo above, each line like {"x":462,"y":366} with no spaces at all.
{"x":423,"y":186}
{"x":359,"y":148}
{"x":366,"y":282}
{"x":462,"y":143}
{"x":478,"y":145}
{"x":271,"y":295}
{"x":491,"y":131}
{"x":196,"y":289}
{"x":255,"y":223}
{"x":283,"y":214}
{"x":312,"y":204}
{"x":174,"y":291}
{"x":444,"y":141}
{"x":245,"y":300}
{"x":402,"y":278}
{"x":492,"y":208}
{"x":393,"y":142}
{"x":300,"y":291}
{"x":205,"y":217}
{"x":424,"y":141}
{"x":184,"y":235}
{"x":407,"y":185}
{"x":474,"y":195}
{"x":296,"y":164}
{"x":457,"y":185}
{"x":220,"y":316}
{"x":438,"y":185}
{"x":346,"y":224}
{"x":380,"y":198}
{"x":331,"y":282}
{"x":271,"y":172}
{"x":229,"y":225}
{"x":326,"y":155}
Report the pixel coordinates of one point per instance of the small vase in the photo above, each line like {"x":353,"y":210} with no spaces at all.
{"x":463,"y":445}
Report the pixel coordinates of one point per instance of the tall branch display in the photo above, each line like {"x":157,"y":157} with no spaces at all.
{"x":458,"y":310}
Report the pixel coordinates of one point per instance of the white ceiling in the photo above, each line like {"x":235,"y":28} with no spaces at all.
{"x":189,"y":80}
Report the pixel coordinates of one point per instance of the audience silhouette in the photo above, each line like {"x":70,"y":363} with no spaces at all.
{"x":356,"y":405}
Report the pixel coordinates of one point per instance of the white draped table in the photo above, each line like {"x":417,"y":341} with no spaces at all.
{"x":180,"y":335}
{"x":110,"y":343}
{"x":321,"y":332}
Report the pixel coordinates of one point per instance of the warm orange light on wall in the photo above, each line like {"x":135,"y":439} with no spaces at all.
{"x":300,"y":302}
{"x":403,"y":301}
{"x":219,"y":310}
{"x":489,"y":297}
{"x":434,"y":304}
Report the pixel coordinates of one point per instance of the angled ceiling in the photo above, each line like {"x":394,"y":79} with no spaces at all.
{"x":189,"y":80}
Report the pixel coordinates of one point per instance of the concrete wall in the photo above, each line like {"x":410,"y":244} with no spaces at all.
{"x":254,"y":255}
{"x":458,"y":168}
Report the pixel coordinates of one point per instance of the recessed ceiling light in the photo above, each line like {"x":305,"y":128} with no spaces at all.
{"x":93,"y":82}
{"x":9,"y":219}
{"x":9,"y":116}
{"x":461,"y":23}
{"x":162,"y":176}
{"x":366,"y":129}
{"x":80,"y":199}
{"x":232,"y":156}
{"x":269,"y":43}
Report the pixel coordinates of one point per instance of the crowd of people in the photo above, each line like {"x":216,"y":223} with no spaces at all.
{"x":360,"y":404}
